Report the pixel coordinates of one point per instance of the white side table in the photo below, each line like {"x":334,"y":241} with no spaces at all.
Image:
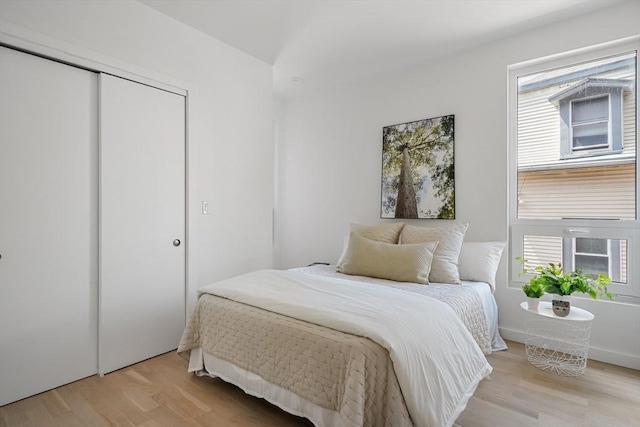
{"x":557,"y":344}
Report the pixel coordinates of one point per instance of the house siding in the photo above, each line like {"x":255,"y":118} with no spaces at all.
{"x":629,"y":123}
{"x":542,"y":250}
{"x":578,"y":193}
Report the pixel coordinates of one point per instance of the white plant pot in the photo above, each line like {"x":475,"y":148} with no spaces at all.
{"x":561,"y":305}
{"x":533,"y":303}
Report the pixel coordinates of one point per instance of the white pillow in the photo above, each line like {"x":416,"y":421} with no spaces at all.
{"x":444,"y":268}
{"x":402,"y":263}
{"x":479,"y":261}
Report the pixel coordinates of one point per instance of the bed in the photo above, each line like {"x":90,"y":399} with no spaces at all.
{"x":346,"y":349}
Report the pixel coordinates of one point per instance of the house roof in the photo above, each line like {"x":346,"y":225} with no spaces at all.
{"x":555,"y":77}
{"x":589,"y":83}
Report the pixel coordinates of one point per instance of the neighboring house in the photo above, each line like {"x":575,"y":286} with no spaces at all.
{"x":577,"y":159}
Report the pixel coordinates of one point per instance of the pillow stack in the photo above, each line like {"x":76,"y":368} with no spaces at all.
{"x":406,"y":253}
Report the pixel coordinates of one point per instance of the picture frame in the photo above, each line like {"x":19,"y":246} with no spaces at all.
{"x":418,"y":169}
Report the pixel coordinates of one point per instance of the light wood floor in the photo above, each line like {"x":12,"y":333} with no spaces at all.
{"x":159,"y":392}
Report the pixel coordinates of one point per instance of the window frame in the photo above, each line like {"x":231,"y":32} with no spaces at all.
{"x":614,"y":91}
{"x":568,"y":228}
{"x":613,"y":256}
{"x":572,"y":127}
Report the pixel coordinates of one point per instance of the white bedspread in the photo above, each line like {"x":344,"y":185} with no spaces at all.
{"x":437,"y":362}
{"x":447,"y":293}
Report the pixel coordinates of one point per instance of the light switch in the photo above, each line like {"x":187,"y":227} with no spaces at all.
{"x":205,"y":207}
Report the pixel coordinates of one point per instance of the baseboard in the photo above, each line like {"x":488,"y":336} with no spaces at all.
{"x":603,"y":355}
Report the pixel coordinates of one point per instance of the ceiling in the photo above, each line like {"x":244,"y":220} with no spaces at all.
{"x":316,"y":44}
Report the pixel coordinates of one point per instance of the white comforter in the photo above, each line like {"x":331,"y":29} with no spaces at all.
{"x":437,"y":362}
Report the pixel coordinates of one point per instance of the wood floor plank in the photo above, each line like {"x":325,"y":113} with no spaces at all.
{"x":159,"y":392}
{"x":481,"y":413}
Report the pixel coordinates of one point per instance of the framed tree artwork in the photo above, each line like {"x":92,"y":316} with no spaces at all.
{"x":418,"y":169}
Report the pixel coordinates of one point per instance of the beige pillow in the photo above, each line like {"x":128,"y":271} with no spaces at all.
{"x":402,"y":263}
{"x":388,"y":233}
{"x":444,"y":268}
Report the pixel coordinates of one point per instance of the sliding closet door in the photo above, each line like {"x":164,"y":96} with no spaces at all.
{"x":142,"y":222}
{"x":48,"y":224}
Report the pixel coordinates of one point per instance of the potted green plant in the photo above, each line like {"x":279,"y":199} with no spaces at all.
{"x":534,"y":291}
{"x":561,"y":285}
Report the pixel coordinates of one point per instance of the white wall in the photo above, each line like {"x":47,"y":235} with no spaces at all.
{"x":230,"y":117}
{"x":329,"y":154}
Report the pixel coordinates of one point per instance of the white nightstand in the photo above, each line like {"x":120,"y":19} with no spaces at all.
{"x":557,"y":344}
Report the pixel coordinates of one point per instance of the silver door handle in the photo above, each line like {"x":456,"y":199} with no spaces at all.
{"x":176,"y":242}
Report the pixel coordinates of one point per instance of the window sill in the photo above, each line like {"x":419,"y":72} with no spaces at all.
{"x":581,"y":162}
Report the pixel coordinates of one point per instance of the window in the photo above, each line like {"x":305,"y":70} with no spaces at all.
{"x":573,"y":169}
{"x":590,"y":123}
{"x":591,"y":111}
{"x":596,"y":256}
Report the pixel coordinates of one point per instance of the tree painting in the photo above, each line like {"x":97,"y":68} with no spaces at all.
{"x":417,"y":169}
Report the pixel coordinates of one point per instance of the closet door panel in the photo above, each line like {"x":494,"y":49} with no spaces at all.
{"x":48,"y":224}
{"x":142,"y":214}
